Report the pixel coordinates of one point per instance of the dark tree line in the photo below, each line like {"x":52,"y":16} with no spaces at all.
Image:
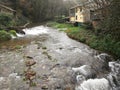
{"x":40,"y":10}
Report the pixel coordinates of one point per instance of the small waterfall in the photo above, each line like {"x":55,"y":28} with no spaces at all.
{"x":33,"y":31}
{"x":114,"y":76}
{"x":111,"y":81}
{"x":85,"y":70}
{"x":94,"y":84}
{"x":36,"y":30}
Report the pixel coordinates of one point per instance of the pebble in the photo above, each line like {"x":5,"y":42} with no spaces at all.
{"x":44,"y":87}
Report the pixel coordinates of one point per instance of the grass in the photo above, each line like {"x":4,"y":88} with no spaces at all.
{"x":102,"y":43}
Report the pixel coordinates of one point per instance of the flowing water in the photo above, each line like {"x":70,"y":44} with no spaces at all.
{"x":61,"y":63}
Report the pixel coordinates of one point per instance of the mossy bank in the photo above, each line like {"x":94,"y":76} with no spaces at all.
{"x":103,"y":43}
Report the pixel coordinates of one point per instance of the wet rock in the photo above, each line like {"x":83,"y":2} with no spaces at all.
{"x":20,"y":31}
{"x":57,"y":87}
{"x":80,"y":79}
{"x":30,"y":74}
{"x":30,"y":63}
{"x":85,"y":70}
{"x":29,"y":57}
{"x":44,"y":87}
{"x":60,"y":48}
{"x":102,"y":62}
{"x":54,"y":66}
{"x":114,"y":76}
{"x":45,"y":77}
{"x":105,"y":57}
{"x":44,"y":47}
{"x":68,"y":88}
{"x":38,"y":47}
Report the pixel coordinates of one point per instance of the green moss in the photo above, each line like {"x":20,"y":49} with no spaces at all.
{"x":18,"y":47}
{"x":4,"y":36}
{"x":44,"y":47}
{"x":13,"y":32}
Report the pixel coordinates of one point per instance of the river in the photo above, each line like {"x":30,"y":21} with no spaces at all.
{"x":59,"y":63}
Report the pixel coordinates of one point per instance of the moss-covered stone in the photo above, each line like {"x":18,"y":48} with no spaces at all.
{"x":4,"y":36}
{"x":13,"y":32}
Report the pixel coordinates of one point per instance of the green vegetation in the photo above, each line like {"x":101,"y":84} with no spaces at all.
{"x":102,"y":43}
{"x":13,"y":32}
{"x":111,"y":24}
{"x":4,"y":36}
{"x":5,"y":19}
{"x":8,"y":20}
{"x":18,"y":47}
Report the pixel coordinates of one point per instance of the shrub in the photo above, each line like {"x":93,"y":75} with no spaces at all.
{"x":94,"y":44}
{"x":13,"y":32}
{"x":117,"y":49}
{"x":87,"y":25}
{"x":83,"y":39}
{"x":5,"y":19}
{"x":4,"y":36}
{"x":21,"y":20}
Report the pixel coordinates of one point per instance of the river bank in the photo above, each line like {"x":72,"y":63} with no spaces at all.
{"x":99,"y":42}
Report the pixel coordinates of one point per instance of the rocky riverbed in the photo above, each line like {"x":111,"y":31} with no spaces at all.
{"x":47,"y":59}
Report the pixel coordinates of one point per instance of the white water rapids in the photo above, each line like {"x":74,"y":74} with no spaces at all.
{"x":111,"y":82}
{"x":33,"y":31}
{"x":85,"y":72}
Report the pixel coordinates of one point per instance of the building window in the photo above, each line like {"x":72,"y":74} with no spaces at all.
{"x":80,"y":9}
{"x":76,"y":17}
{"x":72,"y":12}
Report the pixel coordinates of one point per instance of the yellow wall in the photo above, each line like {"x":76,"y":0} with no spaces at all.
{"x":81,"y":15}
{"x":72,"y":19}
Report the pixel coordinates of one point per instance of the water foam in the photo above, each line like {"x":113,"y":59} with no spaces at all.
{"x":36,"y":30}
{"x":33,"y":31}
{"x":94,"y":84}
